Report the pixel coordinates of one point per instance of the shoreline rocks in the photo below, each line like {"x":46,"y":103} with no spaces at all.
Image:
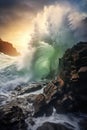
{"x":12,"y":118}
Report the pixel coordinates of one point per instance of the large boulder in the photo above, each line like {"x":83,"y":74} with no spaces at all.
{"x":12,"y":118}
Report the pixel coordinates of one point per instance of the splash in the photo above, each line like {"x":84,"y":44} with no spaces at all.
{"x":56,"y":28}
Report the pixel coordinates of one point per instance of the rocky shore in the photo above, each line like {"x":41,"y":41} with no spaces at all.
{"x":66,"y":93}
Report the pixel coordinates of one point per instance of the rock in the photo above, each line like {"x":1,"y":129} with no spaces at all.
{"x":49,"y":91}
{"x":12,"y":118}
{"x":18,"y":88}
{"x":46,"y":99}
{"x":83,"y":69}
{"x":83,"y":124}
{"x":31,"y":122}
{"x":53,"y":126}
{"x":68,"y":92}
{"x":31,"y":98}
{"x":3,"y":99}
{"x":39,"y":102}
{"x":74,"y":74}
{"x":28,"y":89}
{"x":7,"y":48}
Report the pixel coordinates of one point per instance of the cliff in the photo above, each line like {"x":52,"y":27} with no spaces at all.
{"x":7,"y":48}
{"x":68,"y":92}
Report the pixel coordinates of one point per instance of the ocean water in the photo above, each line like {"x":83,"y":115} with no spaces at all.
{"x":69,"y":120}
{"x":10,"y":75}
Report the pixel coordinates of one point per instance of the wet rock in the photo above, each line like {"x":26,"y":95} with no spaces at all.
{"x":18,"y":88}
{"x":49,"y":92}
{"x":12,"y":118}
{"x":29,"y":89}
{"x":45,"y":100}
{"x":46,"y":110}
{"x":31,"y":98}
{"x":53,"y":126}
{"x":3,"y":99}
{"x":31,"y":122}
{"x":39,"y":102}
{"x":83,"y":124}
{"x":74,"y":74}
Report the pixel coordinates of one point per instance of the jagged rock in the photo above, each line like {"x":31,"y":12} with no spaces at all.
{"x":12,"y":118}
{"x":39,"y":102}
{"x":68,"y":92}
{"x":74,"y":74}
{"x":7,"y":48}
{"x":50,"y":91}
{"x":46,"y":99}
{"x":31,"y":98}
{"x":54,"y":126}
{"x":28,"y":89}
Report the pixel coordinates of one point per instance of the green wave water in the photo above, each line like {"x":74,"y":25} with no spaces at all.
{"x":46,"y":60}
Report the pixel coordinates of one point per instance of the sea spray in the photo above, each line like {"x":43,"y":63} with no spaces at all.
{"x":55,"y":30}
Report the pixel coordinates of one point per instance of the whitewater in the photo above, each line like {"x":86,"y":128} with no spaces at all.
{"x":10,"y":76}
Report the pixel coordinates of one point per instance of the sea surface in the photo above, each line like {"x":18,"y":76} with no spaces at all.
{"x":10,"y":76}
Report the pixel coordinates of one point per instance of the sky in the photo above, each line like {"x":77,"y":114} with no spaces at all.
{"x":17,"y":16}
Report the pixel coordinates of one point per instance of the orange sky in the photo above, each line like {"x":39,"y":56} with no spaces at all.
{"x":18,"y":34}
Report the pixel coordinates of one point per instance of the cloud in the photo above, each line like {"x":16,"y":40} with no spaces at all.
{"x":11,"y":10}
{"x":7,"y":3}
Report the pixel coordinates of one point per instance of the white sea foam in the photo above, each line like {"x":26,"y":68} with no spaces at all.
{"x":68,"y":120}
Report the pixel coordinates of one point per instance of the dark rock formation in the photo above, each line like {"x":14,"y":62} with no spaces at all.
{"x":53,"y":126}
{"x":83,"y":124}
{"x":68,"y":92}
{"x":12,"y":118}
{"x":7,"y":48}
{"x":28,"y":89}
{"x":74,"y":74}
